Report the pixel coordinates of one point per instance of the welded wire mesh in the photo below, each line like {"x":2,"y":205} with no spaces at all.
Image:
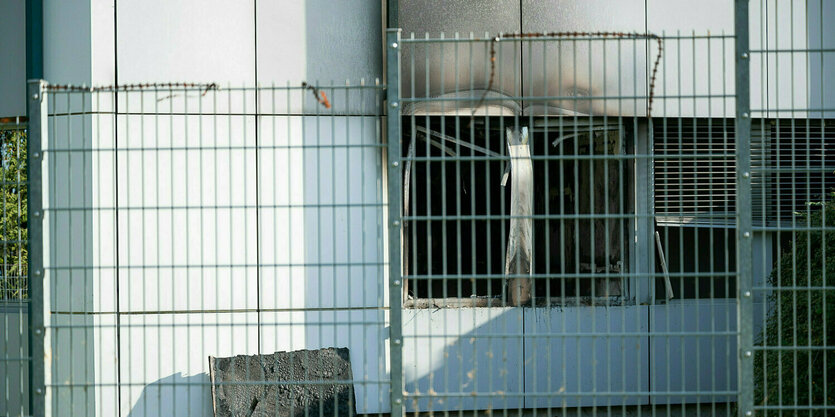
{"x":14,"y":294}
{"x":530,"y":223}
{"x":793,"y":352}
{"x":189,"y":221}
{"x":622,"y":165}
{"x":13,"y":282}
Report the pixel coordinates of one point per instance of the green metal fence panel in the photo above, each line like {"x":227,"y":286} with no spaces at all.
{"x":792,"y":370}
{"x":213,"y":249}
{"x":15,"y":361}
{"x":569,"y":226}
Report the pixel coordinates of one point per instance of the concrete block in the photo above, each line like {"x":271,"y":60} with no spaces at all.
{"x":292,"y":384}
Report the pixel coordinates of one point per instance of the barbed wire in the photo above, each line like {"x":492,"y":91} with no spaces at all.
{"x":205,"y":87}
{"x":320,"y":95}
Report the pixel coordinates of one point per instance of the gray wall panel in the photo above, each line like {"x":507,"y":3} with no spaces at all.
{"x":13,"y":57}
{"x":465,"y":68}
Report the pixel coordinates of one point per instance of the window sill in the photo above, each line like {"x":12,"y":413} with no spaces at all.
{"x":481,"y":302}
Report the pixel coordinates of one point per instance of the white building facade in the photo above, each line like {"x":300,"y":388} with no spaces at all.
{"x":264,"y":242}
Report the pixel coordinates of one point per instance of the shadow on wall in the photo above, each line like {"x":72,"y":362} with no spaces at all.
{"x":558,"y":356}
{"x":336,"y":34}
{"x":449,"y":352}
{"x":186,"y":394}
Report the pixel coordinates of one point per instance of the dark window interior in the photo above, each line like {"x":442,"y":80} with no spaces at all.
{"x":701,"y":262}
{"x":455,"y":247}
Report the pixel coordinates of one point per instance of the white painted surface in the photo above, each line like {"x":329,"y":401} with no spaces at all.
{"x":282,"y":226}
{"x":575,"y":69}
{"x":469,"y":351}
{"x":191,"y":41}
{"x":159,"y":350}
{"x":68,"y":192}
{"x":701,"y":67}
{"x":821,"y":34}
{"x":281,"y":42}
{"x":695,"y":78}
{"x":102,"y":43}
{"x":188,"y":212}
{"x":450,"y":67}
{"x":187,"y":243}
{"x":344,"y":232}
{"x":83,"y":366}
{"x":66,"y":41}
{"x":694,"y":68}
{"x":635,"y":349}
{"x":701,"y":362}
{"x":323,"y":43}
{"x":693,"y":363}
{"x":780,"y":81}
{"x":585,"y":349}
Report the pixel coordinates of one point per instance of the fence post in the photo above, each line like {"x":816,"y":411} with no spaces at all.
{"x":37,"y":102}
{"x":395,"y":202}
{"x":745,"y":233}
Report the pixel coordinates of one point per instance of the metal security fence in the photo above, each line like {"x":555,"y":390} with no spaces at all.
{"x":569,"y":223}
{"x":14,"y":352}
{"x":521,"y":223}
{"x":792,"y":343}
{"x":13,"y":283}
{"x":202,"y":243}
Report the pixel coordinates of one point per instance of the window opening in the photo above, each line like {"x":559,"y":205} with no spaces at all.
{"x":458,"y":215}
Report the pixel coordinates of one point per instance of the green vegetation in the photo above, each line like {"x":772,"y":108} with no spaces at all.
{"x":14,"y":254}
{"x":804,"y":376}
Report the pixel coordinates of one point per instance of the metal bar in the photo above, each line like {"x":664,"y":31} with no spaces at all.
{"x":392,"y":13}
{"x":37,"y":109}
{"x":578,"y":37}
{"x":395,"y":202}
{"x":745,"y":367}
{"x":34,"y":39}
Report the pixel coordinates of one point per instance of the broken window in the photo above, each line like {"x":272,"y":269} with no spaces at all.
{"x":463,"y":239}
